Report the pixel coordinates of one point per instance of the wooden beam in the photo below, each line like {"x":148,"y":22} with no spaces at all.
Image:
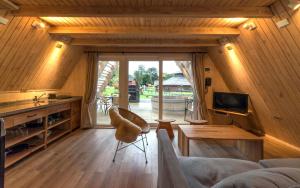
{"x":94,"y":11}
{"x":8,"y":5}
{"x":146,"y":49}
{"x":144,"y":42}
{"x":146,"y":31}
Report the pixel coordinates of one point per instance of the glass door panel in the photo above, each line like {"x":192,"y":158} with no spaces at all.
{"x":143,"y":89}
{"x":107,"y":90}
{"x":177,"y":90}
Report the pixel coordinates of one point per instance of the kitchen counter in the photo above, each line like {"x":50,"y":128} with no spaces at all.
{"x":12,"y":108}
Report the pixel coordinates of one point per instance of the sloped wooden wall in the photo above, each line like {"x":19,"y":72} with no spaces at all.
{"x":266,"y":64}
{"x":29,"y":58}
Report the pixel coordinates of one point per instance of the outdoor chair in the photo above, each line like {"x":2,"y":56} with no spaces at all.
{"x":126,"y":132}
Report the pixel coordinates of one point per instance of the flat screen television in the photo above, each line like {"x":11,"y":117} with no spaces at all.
{"x":234,"y":102}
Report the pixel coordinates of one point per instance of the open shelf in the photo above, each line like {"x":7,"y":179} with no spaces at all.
{"x":59,"y":123}
{"x":17,"y":139}
{"x":13,"y":158}
{"x":57,"y":134}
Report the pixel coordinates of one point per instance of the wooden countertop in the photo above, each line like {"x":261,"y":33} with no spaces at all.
{"x":24,"y":106}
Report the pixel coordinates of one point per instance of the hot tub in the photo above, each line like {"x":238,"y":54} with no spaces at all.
{"x":171,"y":104}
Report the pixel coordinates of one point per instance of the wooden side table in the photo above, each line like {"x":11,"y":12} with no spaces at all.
{"x":197,"y":122}
{"x":166,"y":124}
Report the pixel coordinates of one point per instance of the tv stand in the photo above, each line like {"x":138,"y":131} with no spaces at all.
{"x":230,"y":112}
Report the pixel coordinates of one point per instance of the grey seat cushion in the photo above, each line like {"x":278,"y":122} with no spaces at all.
{"x":273,"y":163}
{"x":263,"y":178}
{"x":206,"y":172}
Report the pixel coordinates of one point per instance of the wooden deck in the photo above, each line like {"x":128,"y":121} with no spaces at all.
{"x":84,"y":159}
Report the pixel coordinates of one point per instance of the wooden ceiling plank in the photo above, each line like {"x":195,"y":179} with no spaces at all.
{"x":147,"y":31}
{"x":100,"y":11}
{"x":8,"y":5}
{"x":144,"y":42}
{"x":146,"y":49}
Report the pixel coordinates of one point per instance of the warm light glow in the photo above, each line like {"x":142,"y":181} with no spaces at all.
{"x":228,"y":46}
{"x":285,"y":144}
{"x":236,"y":20}
{"x":59,"y":45}
{"x":294,"y":4}
{"x":52,"y":63}
{"x":297,"y":6}
{"x":42,"y":25}
{"x":235,"y":64}
{"x":56,"y":53}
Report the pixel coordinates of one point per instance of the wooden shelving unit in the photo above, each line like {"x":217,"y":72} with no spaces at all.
{"x":59,"y":123}
{"x":56,"y":135}
{"x":18,"y":139}
{"x":11,"y":159}
{"x":47,"y":133}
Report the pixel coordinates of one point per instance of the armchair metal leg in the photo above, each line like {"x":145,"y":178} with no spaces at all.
{"x":116,"y":151}
{"x":144,"y":150}
{"x":146,"y":140}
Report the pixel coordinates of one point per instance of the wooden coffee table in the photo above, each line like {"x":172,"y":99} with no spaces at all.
{"x":197,"y":122}
{"x":250,"y":145}
{"x":166,"y":124}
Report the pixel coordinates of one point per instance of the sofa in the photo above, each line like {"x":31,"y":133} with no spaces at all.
{"x":200,"y":172}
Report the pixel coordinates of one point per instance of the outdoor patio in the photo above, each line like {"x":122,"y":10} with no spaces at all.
{"x":145,"y":110}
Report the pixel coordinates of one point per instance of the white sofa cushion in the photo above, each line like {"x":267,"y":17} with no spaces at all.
{"x":286,"y":162}
{"x":206,"y":172}
{"x":263,"y":178}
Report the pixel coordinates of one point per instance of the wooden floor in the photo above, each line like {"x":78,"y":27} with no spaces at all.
{"x":84,"y":160}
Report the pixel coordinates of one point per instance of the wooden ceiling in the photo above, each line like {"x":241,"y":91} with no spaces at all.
{"x":143,"y":3}
{"x":144,"y":23}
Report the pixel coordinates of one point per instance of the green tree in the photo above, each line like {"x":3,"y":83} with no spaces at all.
{"x":138,"y":74}
{"x":153,"y":74}
{"x":146,"y":77}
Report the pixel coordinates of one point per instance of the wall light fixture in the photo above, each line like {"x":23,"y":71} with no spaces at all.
{"x":249,"y":26}
{"x":59,"y":45}
{"x":39,"y":24}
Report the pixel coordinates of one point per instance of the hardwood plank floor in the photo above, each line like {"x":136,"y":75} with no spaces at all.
{"x":84,"y":159}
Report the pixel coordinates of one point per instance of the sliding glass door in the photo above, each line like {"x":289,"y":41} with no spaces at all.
{"x":107,"y":90}
{"x":143,"y":95}
{"x":177,"y":90}
{"x":154,"y":87}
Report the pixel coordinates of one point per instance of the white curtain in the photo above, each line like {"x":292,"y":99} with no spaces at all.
{"x":200,"y":108}
{"x":89,"y":112}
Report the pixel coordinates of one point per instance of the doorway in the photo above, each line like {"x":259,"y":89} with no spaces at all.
{"x":152,"y":86}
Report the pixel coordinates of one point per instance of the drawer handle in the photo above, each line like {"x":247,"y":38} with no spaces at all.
{"x":30,"y":116}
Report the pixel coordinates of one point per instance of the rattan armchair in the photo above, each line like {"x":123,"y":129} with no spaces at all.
{"x":136,"y":119}
{"x":126,"y":132}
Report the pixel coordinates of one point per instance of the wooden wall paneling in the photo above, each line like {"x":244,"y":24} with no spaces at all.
{"x":20,"y":66}
{"x":30,"y":74}
{"x":75,"y":84}
{"x":9,"y":43}
{"x":5,"y":37}
{"x":265,"y":63}
{"x":29,"y":58}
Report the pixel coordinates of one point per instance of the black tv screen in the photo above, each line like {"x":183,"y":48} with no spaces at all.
{"x":235,"y":102}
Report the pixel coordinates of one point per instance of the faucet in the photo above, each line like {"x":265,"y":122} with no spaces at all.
{"x":37,"y":99}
